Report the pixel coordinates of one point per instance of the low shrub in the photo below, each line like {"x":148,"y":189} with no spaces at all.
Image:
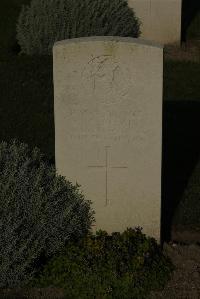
{"x":43,"y":23}
{"x":127,"y":265}
{"x":39,"y":213}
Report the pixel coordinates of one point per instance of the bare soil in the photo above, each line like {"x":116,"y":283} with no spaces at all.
{"x":184,"y":252}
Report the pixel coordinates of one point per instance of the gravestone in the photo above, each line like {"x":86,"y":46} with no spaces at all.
{"x":161,"y":19}
{"x":108,"y":127}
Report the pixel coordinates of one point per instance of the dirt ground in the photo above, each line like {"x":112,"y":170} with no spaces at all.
{"x":184,"y":251}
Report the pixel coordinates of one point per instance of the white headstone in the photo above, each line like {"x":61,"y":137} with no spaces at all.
{"x":161,"y":19}
{"x":108,"y":127}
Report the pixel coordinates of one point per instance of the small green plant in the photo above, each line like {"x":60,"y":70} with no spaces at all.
{"x":126,"y":265}
{"x":43,"y":23}
{"x":39,"y":213}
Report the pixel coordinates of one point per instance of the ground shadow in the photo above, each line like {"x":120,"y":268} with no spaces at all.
{"x":189,"y":10}
{"x":180,"y":153}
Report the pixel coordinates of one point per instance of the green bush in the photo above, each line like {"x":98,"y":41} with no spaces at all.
{"x":39,"y":213}
{"x":126,"y":265}
{"x":46,"y":22}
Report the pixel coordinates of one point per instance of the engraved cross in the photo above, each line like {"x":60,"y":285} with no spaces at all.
{"x":106,"y":166}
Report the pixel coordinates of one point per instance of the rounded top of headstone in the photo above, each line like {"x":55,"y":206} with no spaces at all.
{"x":110,"y":38}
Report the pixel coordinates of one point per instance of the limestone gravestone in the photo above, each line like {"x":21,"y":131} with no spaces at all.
{"x":108,"y":127}
{"x":161,"y":19}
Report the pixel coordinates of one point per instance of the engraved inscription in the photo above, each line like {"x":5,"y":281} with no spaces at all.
{"x":122,"y":138}
{"x":106,"y":168}
{"x":107,"y":78}
{"x":104,"y":125}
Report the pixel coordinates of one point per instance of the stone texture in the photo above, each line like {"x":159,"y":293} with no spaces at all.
{"x":108,"y":127}
{"x":161,"y":19}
